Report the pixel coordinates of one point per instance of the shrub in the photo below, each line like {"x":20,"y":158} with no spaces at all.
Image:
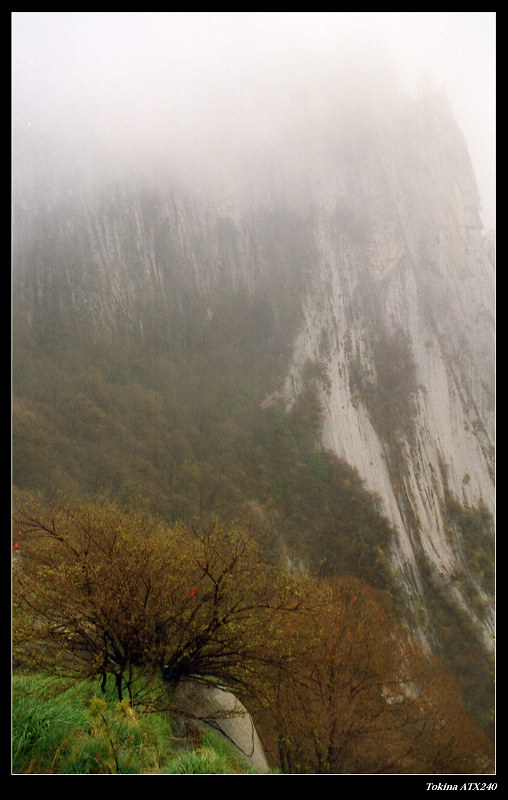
{"x":100,"y":591}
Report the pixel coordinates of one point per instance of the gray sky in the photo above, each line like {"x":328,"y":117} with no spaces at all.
{"x":181,"y":81}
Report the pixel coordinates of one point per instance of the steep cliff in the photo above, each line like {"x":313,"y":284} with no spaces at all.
{"x":400,"y":313}
{"x":367,"y":246}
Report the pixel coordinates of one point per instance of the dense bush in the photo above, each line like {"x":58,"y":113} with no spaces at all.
{"x":459,"y":642}
{"x":387,"y":392}
{"x":100,"y":591}
{"x":476,"y":528}
{"x":359,"y":697}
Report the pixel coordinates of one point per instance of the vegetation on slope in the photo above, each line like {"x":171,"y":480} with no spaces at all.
{"x":460,"y":640}
{"x":179,"y":424}
{"x":105,"y":597}
{"x":63,"y":727}
{"x":166,"y":413}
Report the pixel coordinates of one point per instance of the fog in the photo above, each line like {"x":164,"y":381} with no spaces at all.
{"x":213,"y":88}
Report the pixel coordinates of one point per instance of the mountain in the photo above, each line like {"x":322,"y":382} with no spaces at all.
{"x":166,"y":326}
{"x":400,"y":313}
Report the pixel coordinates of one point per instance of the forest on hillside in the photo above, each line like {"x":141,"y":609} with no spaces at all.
{"x":102,"y":593}
{"x":187,"y":422}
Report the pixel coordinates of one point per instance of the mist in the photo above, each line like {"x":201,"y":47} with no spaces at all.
{"x":212,"y":94}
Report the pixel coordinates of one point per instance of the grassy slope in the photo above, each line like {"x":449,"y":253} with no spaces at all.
{"x":78,"y":730}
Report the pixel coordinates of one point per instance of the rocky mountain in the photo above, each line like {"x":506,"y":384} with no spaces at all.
{"x":364,"y":255}
{"x":400,"y":313}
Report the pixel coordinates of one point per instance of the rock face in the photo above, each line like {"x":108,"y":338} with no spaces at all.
{"x":197,"y":704}
{"x":375,"y":228}
{"x":402,"y":267}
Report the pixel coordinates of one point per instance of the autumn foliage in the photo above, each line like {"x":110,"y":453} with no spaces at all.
{"x":98,"y":590}
{"x":334,"y":684}
{"x":360,"y":697}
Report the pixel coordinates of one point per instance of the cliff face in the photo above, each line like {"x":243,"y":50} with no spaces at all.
{"x":377,"y":235}
{"x":403,"y":269}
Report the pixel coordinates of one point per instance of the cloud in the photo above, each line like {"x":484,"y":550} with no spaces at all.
{"x":188,"y":83}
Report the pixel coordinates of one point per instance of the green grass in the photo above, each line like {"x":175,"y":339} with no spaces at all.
{"x":214,"y":756}
{"x":59,"y":728}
